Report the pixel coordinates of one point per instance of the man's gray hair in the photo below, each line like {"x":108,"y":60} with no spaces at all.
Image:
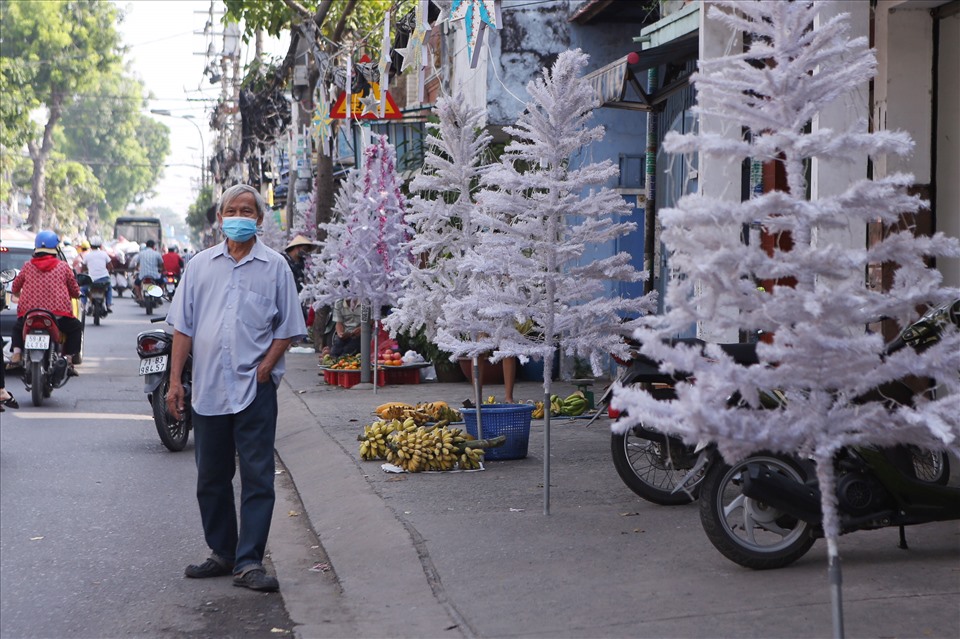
{"x":236,"y":191}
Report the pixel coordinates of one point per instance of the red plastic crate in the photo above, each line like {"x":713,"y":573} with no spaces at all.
{"x":348,"y":379}
{"x":330,"y":377}
{"x":403,"y":376}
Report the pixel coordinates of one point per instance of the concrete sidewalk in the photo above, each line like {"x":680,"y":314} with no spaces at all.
{"x":472,"y":554}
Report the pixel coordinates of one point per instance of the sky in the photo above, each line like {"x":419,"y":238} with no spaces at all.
{"x":165,"y":43}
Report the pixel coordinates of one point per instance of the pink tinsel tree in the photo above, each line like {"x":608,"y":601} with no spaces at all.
{"x":364,"y":255}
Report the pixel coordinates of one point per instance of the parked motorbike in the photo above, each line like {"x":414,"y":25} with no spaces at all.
{"x":657,"y":466}
{"x":44,"y":367}
{"x":170,"y":282}
{"x":154,"y":347}
{"x":96,"y":297}
{"x":764,"y":511}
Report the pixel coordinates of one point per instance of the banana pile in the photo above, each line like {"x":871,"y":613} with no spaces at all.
{"x":571,"y":406}
{"x":440,"y":411}
{"x":415,"y":448}
{"x":421,"y":413}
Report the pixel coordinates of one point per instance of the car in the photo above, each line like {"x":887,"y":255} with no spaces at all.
{"x":14,"y":253}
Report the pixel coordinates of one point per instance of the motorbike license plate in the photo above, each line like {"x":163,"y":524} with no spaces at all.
{"x":39,"y":341}
{"x":153,"y":365}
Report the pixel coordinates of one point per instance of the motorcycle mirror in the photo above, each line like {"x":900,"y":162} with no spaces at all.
{"x":8,"y":275}
{"x":154,"y":291}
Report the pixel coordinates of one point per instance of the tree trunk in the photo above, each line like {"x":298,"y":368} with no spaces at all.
{"x":325,"y":189}
{"x":39,"y":156}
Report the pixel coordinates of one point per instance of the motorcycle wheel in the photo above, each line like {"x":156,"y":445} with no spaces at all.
{"x":96,"y":315}
{"x":173,"y":433}
{"x":931,"y":466}
{"x":148,"y":304}
{"x":36,"y":383}
{"x":648,"y":467}
{"x":746,"y":531}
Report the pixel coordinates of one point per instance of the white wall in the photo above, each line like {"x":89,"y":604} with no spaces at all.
{"x":846,"y":114}
{"x":948,"y":141}
{"x":904,"y":83}
{"x":719,"y":177}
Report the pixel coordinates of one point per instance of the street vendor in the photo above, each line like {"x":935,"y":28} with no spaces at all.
{"x":346,"y":335}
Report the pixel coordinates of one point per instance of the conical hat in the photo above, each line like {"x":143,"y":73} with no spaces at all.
{"x":300,"y":240}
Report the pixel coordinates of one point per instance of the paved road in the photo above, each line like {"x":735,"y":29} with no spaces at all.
{"x":98,"y":518}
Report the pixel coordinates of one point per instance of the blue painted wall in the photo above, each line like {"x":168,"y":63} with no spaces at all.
{"x":531,"y":38}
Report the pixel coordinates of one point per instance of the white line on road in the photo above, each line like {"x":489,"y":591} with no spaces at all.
{"x":122,"y":416}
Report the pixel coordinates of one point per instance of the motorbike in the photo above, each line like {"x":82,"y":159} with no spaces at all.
{"x":44,"y":367}
{"x":660,"y":467}
{"x":154,"y":347}
{"x":121,"y":282}
{"x":170,"y":282}
{"x":763,"y":512}
{"x":96,"y":297}
{"x":150,"y":293}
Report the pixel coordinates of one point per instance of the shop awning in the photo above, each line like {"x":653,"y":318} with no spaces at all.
{"x":617,"y":85}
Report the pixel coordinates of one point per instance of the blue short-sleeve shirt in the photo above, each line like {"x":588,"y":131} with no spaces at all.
{"x":233,"y":311}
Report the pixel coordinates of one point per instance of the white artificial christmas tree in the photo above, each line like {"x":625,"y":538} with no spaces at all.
{"x":441,"y":215}
{"x":821,"y":357}
{"x":364,"y":257}
{"x":531,"y":263}
{"x":304,"y":217}
{"x":318,"y":290}
{"x":271,"y":234}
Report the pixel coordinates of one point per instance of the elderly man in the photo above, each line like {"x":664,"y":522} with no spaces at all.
{"x":237,"y":310}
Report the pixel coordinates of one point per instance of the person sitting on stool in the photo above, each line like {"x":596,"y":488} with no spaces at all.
{"x":346,"y":336}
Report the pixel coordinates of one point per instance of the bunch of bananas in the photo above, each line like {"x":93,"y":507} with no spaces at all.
{"x":574,"y":405}
{"x":373,"y":441}
{"x":470,"y":458}
{"x":439,"y":411}
{"x":556,"y":404}
{"x":391,"y":410}
{"x":403,"y":412}
{"x":419,"y":416}
{"x":537,"y":411}
{"x":571,"y":406}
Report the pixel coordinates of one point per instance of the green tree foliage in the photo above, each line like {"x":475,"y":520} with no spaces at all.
{"x":15,"y":104}
{"x":124,"y":148}
{"x":358,"y":17}
{"x":59,"y":50}
{"x":197,"y":213}
{"x":73,"y":193}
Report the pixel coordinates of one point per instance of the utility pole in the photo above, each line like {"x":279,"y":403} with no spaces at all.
{"x":190,"y":118}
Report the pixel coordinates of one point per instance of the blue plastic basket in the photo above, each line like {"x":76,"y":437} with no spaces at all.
{"x":510,"y":420}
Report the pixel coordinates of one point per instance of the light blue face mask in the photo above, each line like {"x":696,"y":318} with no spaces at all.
{"x":239,"y":229}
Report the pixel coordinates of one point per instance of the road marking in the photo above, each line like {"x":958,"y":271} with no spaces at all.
{"x":46,"y":415}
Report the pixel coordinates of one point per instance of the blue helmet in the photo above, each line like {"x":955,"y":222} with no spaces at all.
{"x":46,"y":240}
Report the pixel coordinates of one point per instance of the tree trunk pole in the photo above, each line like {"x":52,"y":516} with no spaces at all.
{"x":38,"y":182}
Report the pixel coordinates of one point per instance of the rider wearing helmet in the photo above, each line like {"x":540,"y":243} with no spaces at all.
{"x":47,"y":283}
{"x":77,"y":262}
{"x":96,"y":262}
